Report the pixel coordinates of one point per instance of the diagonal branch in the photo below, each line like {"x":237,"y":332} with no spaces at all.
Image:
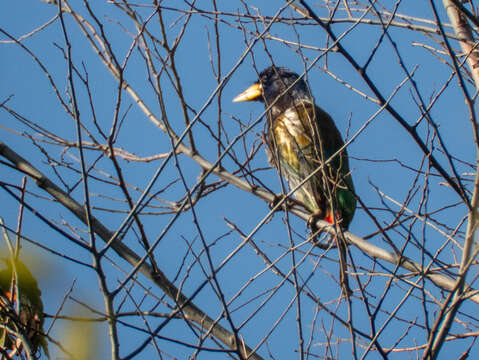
{"x":191,"y":311}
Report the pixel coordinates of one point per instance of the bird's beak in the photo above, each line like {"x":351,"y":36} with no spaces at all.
{"x":250,"y":94}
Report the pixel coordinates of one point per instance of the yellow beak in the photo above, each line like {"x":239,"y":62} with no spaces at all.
{"x":250,"y":94}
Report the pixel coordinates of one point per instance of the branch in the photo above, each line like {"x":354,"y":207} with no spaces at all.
{"x":464,"y":32}
{"x":453,"y":302}
{"x":191,"y":311}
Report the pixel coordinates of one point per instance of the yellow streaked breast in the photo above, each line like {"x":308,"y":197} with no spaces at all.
{"x":286,"y":143}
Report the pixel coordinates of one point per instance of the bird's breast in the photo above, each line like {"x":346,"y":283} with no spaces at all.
{"x":290,"y":137}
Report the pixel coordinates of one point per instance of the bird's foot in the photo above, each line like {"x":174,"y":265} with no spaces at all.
{"x":311,"y":223}
{"x":316,"y":231}
{"x":274,"y":205}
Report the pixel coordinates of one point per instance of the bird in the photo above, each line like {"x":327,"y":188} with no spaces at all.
{"x":29,"y":320}
{"x":303,"y":139}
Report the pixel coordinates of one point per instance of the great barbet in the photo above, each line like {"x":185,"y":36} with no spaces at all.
{"x":302,"y":138}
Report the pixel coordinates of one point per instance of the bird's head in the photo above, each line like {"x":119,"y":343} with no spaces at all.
{"x":277,"y":85}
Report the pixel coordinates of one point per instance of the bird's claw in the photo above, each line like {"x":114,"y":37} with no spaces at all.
{"x":311,"y":223}
{"x":273,"y":205}
{"x":316,"y":232}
